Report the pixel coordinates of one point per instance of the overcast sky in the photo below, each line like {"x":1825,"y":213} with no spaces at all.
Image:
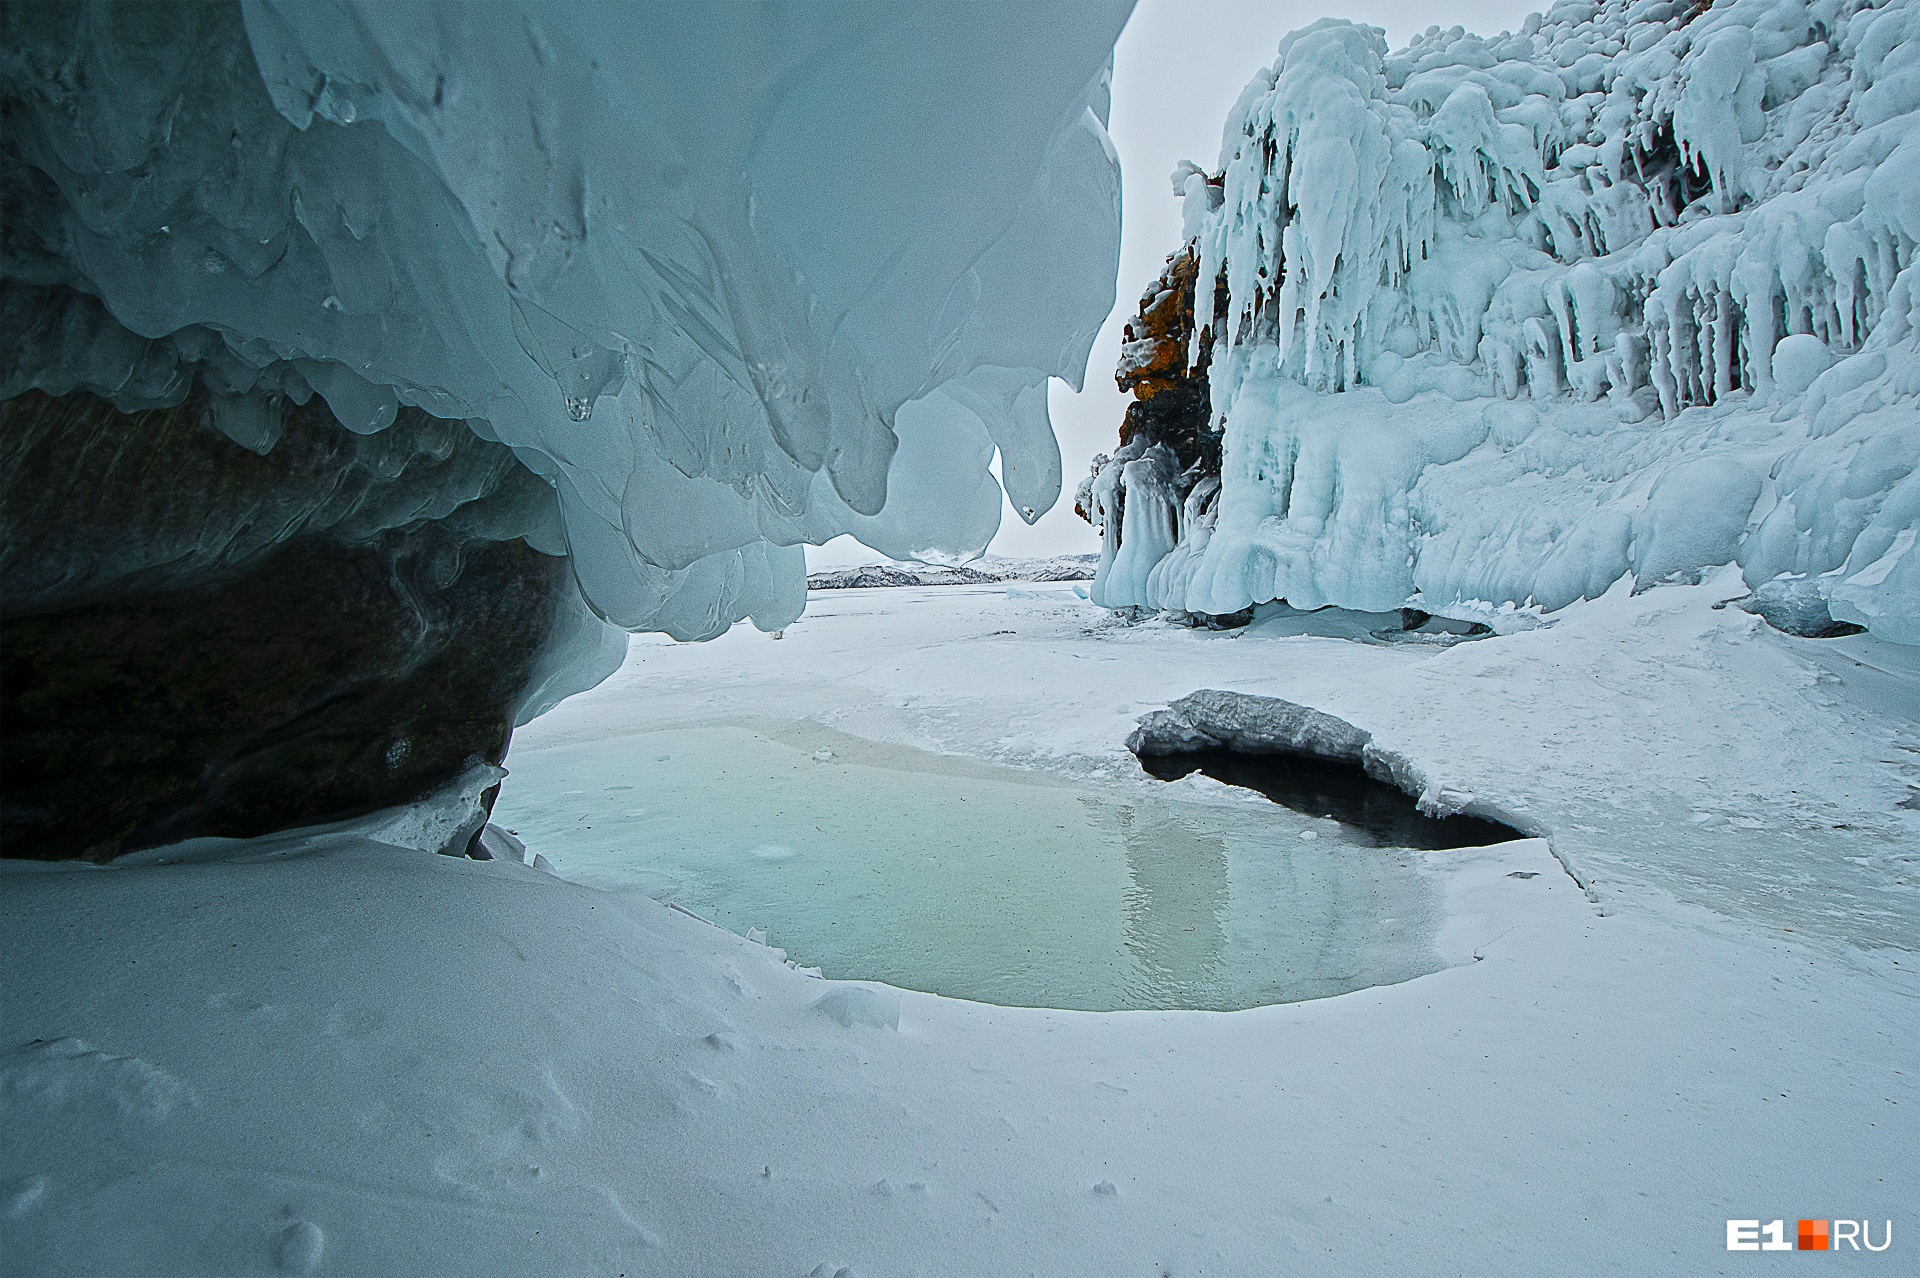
{"x":1177,"y":70}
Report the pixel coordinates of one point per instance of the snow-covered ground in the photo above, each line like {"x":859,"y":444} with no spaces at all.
{"x":332,"y":1056}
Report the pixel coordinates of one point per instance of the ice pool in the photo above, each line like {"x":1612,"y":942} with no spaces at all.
{"x":940,"y":873}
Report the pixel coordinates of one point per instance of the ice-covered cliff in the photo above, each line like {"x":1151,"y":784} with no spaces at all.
{"x":664,"y":290}
{"x":1490,"y":322}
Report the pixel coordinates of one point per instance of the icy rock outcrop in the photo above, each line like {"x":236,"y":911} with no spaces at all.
{"x":196,"y":639}
{"x":367,"y":360}
{"x":1214,"y":720}
{"x":1632,"y":290}
{"x":1245,"y":723}
{"x":1167,"y":429}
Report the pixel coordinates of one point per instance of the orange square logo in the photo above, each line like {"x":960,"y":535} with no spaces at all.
{"x":1813,"y":1235}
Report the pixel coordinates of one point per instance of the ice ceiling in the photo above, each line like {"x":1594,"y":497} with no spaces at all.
{"x":729,"y":278}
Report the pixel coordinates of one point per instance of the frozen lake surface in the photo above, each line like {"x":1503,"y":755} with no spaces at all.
{"x":881,"y":861}
{"x":1593,"y":1086}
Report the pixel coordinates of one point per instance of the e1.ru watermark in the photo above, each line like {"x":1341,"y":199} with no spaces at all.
{"x":1813,"y":1235}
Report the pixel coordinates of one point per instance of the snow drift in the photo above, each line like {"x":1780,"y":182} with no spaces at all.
{"x":1500,"y":321}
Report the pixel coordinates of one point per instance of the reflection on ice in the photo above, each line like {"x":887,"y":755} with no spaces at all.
{"x":940,"y":873}
{"x":1175,"y":906}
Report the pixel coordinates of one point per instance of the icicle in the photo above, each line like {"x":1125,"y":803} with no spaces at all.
{"x":1614,"y":220}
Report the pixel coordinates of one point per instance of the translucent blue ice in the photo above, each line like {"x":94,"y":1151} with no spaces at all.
{"x":730,"y":277}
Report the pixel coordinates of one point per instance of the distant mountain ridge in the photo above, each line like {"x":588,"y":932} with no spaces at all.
{"x":979,"y":573}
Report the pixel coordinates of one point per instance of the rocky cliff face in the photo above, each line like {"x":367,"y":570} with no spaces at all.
{"x":1163,"y":361}
{"x":198,"y":638}
{"x":1168,"y":428}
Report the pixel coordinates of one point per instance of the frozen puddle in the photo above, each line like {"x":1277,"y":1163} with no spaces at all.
{"x":932,"y":872}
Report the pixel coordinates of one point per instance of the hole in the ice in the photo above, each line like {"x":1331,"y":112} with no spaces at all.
{"x":933,"y":872}
{"x":1375,"y":813}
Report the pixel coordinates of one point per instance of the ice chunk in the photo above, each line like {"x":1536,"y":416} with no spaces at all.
{"x":1797,"y":605}
{"x":495,"y":844}
{"x":1880,"y":596}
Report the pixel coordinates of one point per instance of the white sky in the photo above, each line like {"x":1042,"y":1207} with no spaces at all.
{"x":1178,"y":68}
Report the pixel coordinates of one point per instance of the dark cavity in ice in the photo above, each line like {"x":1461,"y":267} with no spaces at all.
{"x":1327,"y":788}
{"x":1303,"y":759}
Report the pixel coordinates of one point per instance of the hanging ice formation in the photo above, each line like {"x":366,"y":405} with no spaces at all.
{"x":366,"y":359}
{"x":728,"y":279}
{"x":1493,"y":322}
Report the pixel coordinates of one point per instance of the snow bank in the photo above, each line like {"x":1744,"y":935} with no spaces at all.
{"x":728,"y":279}
{"x":1630,"y":291}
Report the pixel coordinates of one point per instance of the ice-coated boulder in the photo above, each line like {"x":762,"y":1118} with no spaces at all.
{"x":1798,"y":606}
{"x":1213,"y":720}
{"x":1490,"y":321}
{"x":1797,"y":360}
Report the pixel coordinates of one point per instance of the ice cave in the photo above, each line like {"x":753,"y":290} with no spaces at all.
{"x":561,"y":710}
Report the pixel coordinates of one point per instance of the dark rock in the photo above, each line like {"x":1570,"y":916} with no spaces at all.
{"x":1418,"y":627}
{"x":329,"y":682}
{"x":1227,"y":620}
{"x":1209,"y":620}
{"x":200,"y":640}
{"x":96,"y":504}
{"x":1172,"y":405}
{"x":1312,"y":762}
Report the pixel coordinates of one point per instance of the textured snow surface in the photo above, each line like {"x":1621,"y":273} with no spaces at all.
{"x":730,"y":278}
{"x":357,"y":1059}
{"x":1501,"y":320}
